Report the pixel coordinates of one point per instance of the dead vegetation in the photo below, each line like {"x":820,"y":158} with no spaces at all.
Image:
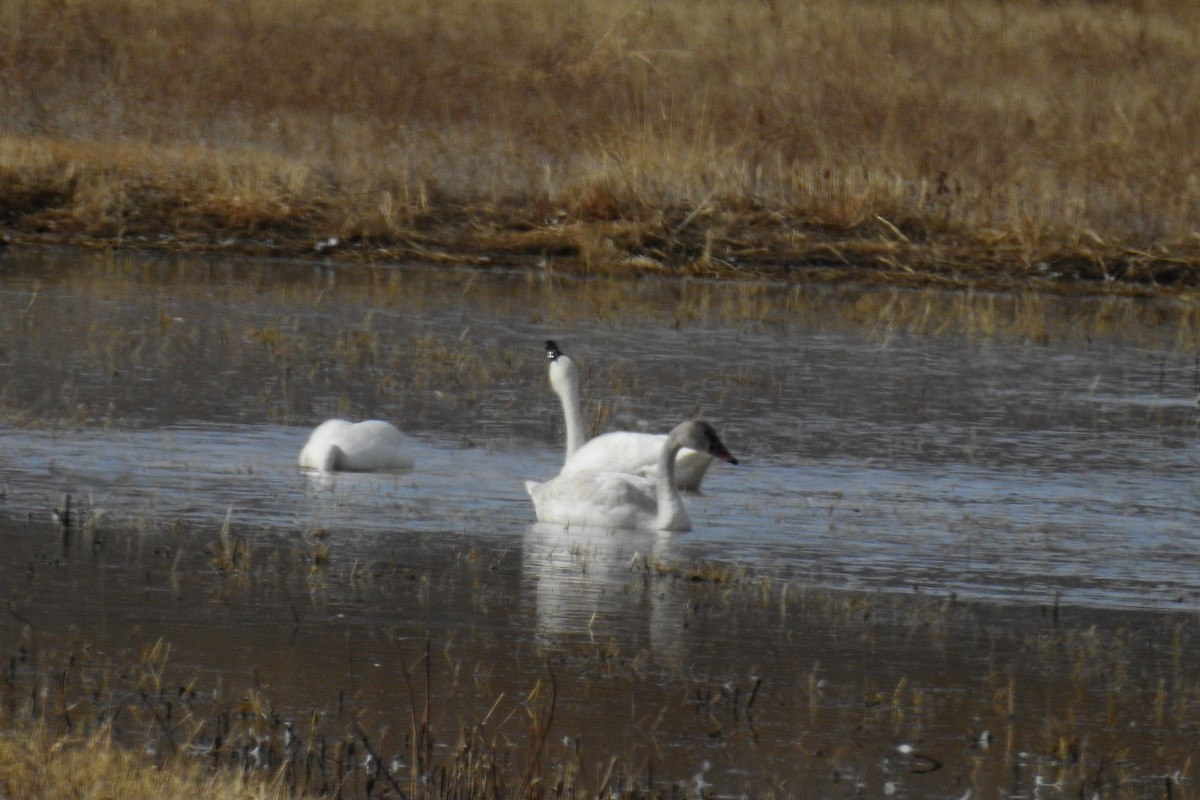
{"x":1001,"y":696}
{"x":36,"y":764}
{"x":910,"y":142}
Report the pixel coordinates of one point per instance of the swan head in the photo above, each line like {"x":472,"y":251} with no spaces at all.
{"x":564,"y":375}
{"x":321,"y":456}
{"x":701,"y":437}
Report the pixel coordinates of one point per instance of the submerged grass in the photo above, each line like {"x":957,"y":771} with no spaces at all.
{"x":146,"y":323}
{"x":922,"y":694}
{"x":910,"y":142}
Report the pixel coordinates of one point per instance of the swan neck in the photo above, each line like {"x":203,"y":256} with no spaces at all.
{"x":670,"y":504}
{"x":575,"y":437}
{"x":573,"y":415}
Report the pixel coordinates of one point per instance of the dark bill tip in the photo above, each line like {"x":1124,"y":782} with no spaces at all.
{"x":723,"y":454}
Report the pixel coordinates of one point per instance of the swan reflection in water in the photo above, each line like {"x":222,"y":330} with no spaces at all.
{"x":601,"y":583}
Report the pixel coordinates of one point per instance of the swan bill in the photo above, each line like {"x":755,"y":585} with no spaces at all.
{"x":720,"y":452}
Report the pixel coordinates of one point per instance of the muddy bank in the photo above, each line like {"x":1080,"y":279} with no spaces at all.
{"x":668,"y":242}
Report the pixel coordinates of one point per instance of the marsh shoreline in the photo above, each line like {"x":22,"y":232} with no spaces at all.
{"x":752,"y":252}
{"x":996,"y":147}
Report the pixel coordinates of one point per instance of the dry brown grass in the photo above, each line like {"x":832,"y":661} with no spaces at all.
{"x":34,"y":764}
{"x":962,"y":140}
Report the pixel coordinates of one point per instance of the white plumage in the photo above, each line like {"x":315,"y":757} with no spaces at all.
{"x":618,"y":451}
{"x":338,"y":445}
{"x":606,"y":499}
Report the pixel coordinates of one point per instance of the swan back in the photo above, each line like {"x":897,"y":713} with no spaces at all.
{"x":597,"y":499}
{"x":638,"y":453}
{"x":338,"y":445}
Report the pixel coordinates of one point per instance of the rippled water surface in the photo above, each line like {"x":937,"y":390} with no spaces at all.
{"x":951,"y":476}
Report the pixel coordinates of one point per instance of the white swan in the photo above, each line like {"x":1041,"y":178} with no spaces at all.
{"x":618,"y":451}
{"x":622,"y":500}
{"x":340,"y":446}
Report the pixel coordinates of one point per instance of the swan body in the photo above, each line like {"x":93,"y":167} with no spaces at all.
{"x":341,"y":446}
{"x":618,"y":451}
{"x":607,"y":499}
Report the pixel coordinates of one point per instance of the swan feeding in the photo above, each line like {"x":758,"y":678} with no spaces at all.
{"x":338,"y":445}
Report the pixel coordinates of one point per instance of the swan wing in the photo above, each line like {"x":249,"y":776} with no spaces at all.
{"x":619,"y":451}
{"x":637,"y":454}
{"x":596,"y":499}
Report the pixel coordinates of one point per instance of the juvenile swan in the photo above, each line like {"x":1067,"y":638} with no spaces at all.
{"x":622,"y":500}
{"x":340,"y":446}
{"x":619,"y":451}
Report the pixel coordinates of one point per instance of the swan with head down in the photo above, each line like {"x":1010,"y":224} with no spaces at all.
{"x":338,"y":445}
{"x":621,"y":500}
{"x":618,"y":451}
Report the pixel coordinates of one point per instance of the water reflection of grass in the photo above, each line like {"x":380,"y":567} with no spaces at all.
{"x":297,"y":365}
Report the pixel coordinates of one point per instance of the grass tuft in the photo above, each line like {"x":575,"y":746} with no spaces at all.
{"x":35,"y":763}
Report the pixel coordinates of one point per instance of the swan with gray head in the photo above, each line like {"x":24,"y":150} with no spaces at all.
{"x":605,"y":499}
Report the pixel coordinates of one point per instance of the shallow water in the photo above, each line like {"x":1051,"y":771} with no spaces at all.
{"x":955,"y":479}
